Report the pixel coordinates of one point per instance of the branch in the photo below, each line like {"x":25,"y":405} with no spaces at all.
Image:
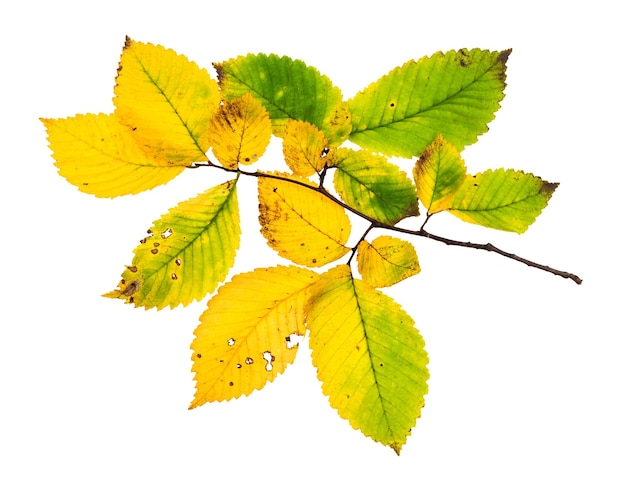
{"x":419,"y":233}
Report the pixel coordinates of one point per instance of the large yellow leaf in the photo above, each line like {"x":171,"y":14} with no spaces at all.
{"x":101,"y":157}
{"x":240,"y":131}
{"x":167,"y":100}
{"x":386,"y":261}
{"x":301,"y":224}
{"x":369,"y":356}
{"x":305,"y":148}
{"x":248,"y":335}
{"x":186,"y":253}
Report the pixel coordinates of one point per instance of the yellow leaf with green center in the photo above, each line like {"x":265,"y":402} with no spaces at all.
{"x":240,"y":131}
{"x":167,"y":100}
{"x":305,"y":148}
{"x":438,"y":174}
{"x":502,"y":199}
{"x":300,"y":223}
{"x":186,"y":253}
{"x":369,"y":356}
{"x":249,"y":332}
{"x":386,"y":261}
{"x":100,"y":156}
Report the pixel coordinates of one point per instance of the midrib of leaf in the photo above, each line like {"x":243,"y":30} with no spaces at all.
{"x":169,"y":102}
{"x":376,"y":195}
{"x":191,"y":241}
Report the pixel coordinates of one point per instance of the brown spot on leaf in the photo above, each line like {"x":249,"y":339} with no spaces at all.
{"x":154,"y":251}
{"x":132,"y":288}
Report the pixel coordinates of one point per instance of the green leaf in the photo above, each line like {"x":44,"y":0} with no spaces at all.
{"x":369,"y":357}
{"x":453,"y":94}
{"x":248,"y":334}
{"x":186,"y":253}
{"x":374,"y":186}
{"x":386,"y":261}
{"x":301,"y":224}
{"x":502,"y":199}
{"x":438,"y":174}
{"x":289,"y":89}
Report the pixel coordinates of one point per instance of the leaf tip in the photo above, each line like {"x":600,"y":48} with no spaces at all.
{"x":504,"y":55}
{"x":127,"y":42}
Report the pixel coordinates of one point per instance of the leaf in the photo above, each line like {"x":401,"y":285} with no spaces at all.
{"x":289,"y":89}
{"x":186,"y":253}
{"x":240,"y":131}
{"x":438,"y":174}
{"x":167,"y":100}
{"x":374,"y":186}
{"x":386,"y":261}
{"x":301,"y":224}
{"x":100,"y":156}
{"x":248,"y":334}
{"x":369,"y":357}
{"x":453,"y":94}
{"x":305,"y":148}
{"x":502,"y":199}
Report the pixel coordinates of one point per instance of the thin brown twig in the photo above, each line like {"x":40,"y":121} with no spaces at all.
{"x":419,"y":233}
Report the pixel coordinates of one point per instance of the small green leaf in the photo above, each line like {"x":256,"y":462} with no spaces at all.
{"x":186,"y":253}
{"x":502,"y":199}
{"x":454,"y":94}
{"x":369,"y":357}
{"x":289,"y":89}
{"x":438,"y":173}
{"x":374,"y":186}
{"x":386,"y":261}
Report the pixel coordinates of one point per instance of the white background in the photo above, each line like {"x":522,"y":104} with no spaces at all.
{"x":527,"y":369}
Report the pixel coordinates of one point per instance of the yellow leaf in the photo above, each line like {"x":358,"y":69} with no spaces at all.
{"x":301,"y":224}
{"x":386,"y":261}
{"x":369,"y":356}
{"x":167,"y":100}
{"x":438,"y":174}
{"x":240,"y":131}
{"x":101,"y":157}
{"x":305,"y":148}
{"x":248,"y":335}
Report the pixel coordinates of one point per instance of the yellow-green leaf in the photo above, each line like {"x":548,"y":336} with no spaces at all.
{"x":502,"y":199}
{"x":100,"y":156}
{"x":369,"y":357}
{"x":374,"y":186}
{"x":438,"y":174}
{"x":240,"y":131}
{"x":186,"y":253}
{"x":386,"y":261}
{"x":305,"y":148}
{"x":250,"y":332}
{"x":301,"y":224}
{"x":167,"y":100}
{"x":454,"y":94}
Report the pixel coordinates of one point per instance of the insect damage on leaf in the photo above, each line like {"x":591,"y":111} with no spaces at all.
{"x":171,"y":115}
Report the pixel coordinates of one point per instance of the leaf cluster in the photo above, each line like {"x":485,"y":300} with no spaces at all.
{"x":171,"y":115}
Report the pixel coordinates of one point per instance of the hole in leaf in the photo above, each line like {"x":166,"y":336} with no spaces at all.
{"x":174,"y":276}
{"x":238,"y":366}
{"x":269,"y":358}
{"x":249,"y":361}
{"x":231,"y":342}
{"x":167,"y":233}
{"x":178,"y":262}
{"x":293,"y":340}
